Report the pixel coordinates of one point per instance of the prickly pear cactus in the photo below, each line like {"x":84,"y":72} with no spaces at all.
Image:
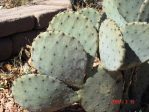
{"x":111,"y":45}
{"x":60,"y":56}
{"x":42,"y":93}
{"x":77,"y":26}
{"x":93,"y":15}
{"x":99,"y":91}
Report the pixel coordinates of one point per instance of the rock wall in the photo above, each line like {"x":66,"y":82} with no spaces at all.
{"x":20,"y":25}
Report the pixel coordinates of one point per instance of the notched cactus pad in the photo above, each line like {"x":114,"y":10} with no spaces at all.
{"x":93,"y":15}
{"x":99,"y":91}
{"x":42,"y":93}
{"x":61,"y":56}
{"x":110,"y":7}
{"x":111,"y":45}
{"x":78,"y":26}
{"x":136,"y":35}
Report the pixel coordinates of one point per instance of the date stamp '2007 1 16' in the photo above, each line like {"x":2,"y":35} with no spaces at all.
{"x":118,"y":102}
{"x":124,"y":102}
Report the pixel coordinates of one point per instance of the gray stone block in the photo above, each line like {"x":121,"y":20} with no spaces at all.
{"x":11,"y":25}
{"x":25,"y":18}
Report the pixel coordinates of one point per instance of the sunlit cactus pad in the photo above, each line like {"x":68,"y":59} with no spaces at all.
{"x":93,"y":15}
{"x":61,"y":56}
{"x":129,"y":9}
{"x":111,"y":45}
{"x":42,"y":93}
{"x":78,"y":26}
{"x":112,"y":12}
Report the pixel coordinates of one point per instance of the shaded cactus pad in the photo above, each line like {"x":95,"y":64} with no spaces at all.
{"x":42,"y":93}
{"x":61,"y":56}
{"x":99,"y":91}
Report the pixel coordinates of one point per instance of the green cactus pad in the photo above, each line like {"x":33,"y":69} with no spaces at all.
{"x":61,"y":56}
{"x":136,"y":35}
{"x":93,"y":15}
{"x":144,"y":12}
{"x":129,"y":9}
{"x":110,"y":7}
{"x":99,"y":92}
{"x":78,"y":26}
{"x":42,"y":93}
{"x":111,"y":45}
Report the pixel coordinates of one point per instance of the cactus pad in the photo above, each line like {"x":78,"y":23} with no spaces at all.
{"x":99,"y":91}
{"x":61,"y":56}
{"x":129,"y":9}
{"x":92,"y":15}
{"x":42,"y":93}
{"x":110,"y":7}
{"x":136,"y":35}
{"x":78,"y":26}
{"x":111,"y":45}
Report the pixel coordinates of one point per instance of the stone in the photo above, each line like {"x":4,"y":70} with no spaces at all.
{"x":14,"y":24}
